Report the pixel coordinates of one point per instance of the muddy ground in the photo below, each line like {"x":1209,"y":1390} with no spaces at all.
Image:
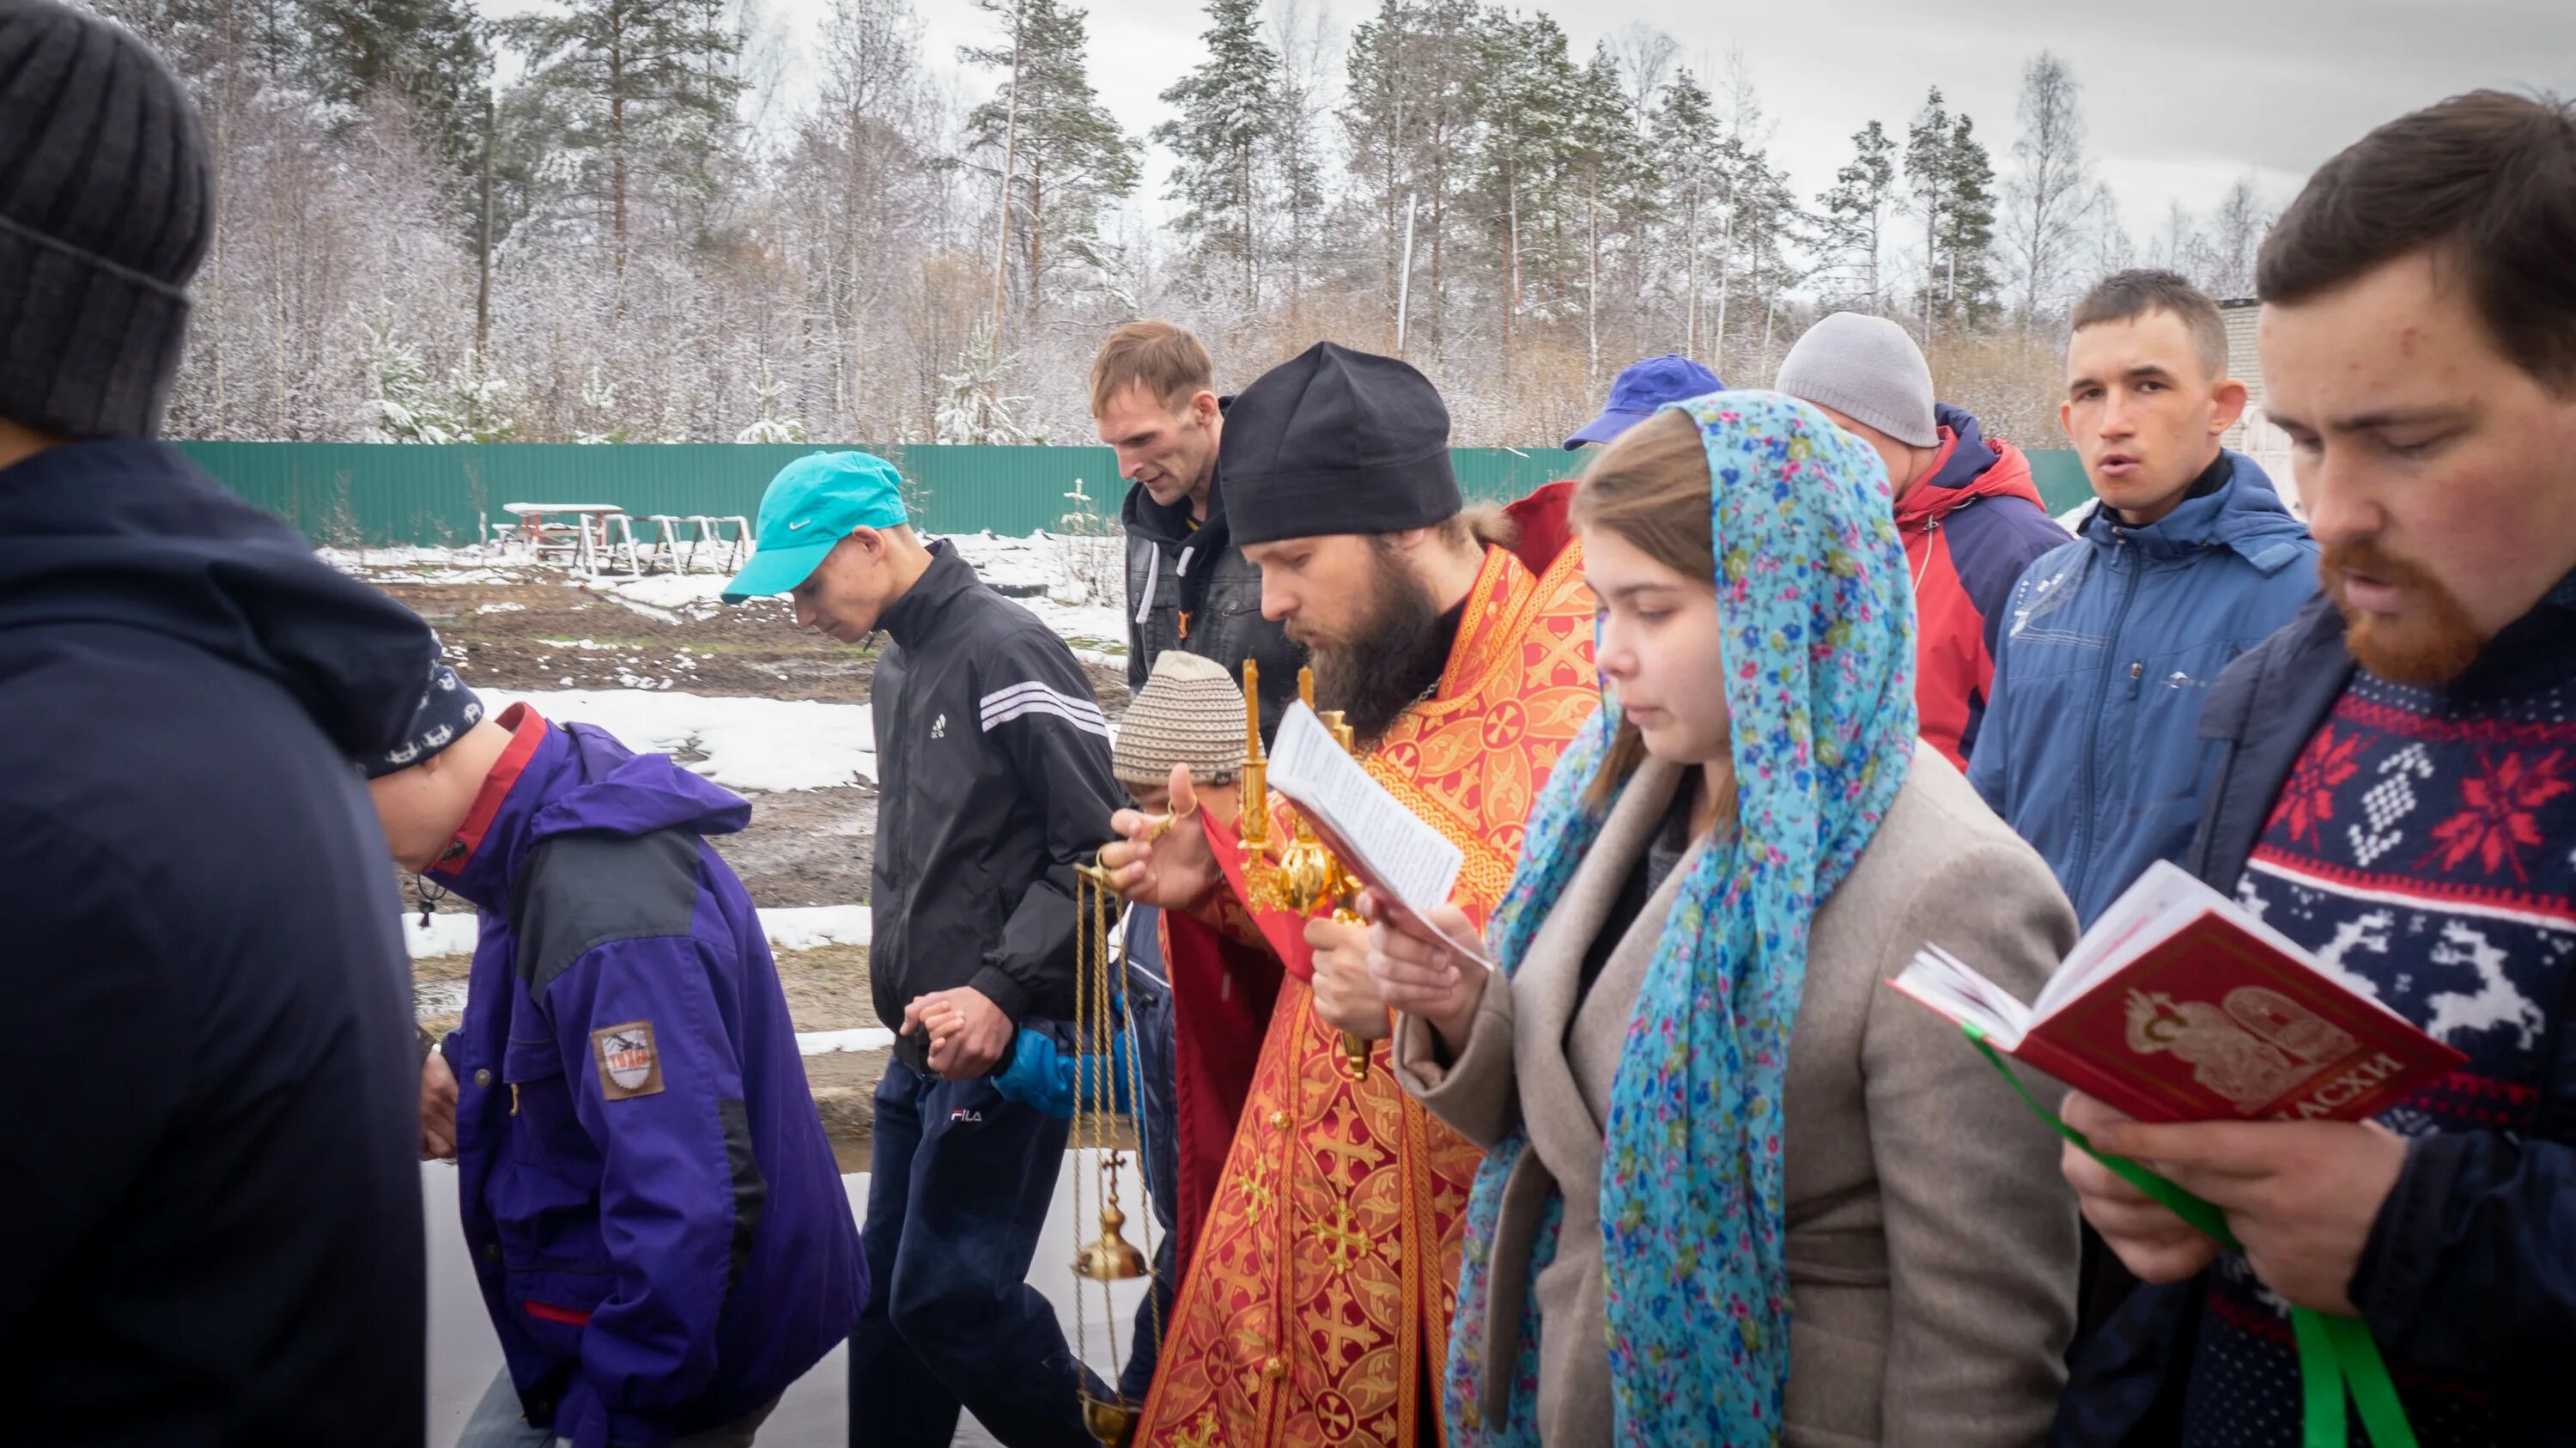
{"x":533,"y":629}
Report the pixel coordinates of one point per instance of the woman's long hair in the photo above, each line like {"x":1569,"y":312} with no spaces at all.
{"x":1650,"y":487}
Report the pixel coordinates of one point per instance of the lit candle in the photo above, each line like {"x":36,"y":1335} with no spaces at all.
{"x":1251,"y":712}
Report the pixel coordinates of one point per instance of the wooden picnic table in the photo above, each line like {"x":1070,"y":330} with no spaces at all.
{"x":575,"y":535}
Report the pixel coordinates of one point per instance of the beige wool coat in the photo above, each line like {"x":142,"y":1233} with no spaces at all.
{"x":1931,"y":1243}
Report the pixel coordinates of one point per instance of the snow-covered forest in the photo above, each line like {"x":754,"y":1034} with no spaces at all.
{"x":608,"y":219}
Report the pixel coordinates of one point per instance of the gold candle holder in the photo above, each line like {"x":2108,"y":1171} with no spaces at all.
{"x":1261,"y":883}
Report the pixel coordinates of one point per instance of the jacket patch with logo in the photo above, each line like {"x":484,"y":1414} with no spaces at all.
{"x":628,"y":1064}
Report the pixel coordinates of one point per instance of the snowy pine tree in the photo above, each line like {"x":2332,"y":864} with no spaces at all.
{"x":767,"y":425}
{"x":972,"y":408}
{"x":1856,"y":214}
{"x":1224,"y":147}
{"x":1064,"y":154}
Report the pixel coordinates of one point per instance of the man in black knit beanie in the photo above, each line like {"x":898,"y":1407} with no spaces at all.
{"x":207,"y":1177}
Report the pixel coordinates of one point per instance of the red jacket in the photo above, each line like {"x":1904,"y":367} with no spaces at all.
{"x":1970,"y":529}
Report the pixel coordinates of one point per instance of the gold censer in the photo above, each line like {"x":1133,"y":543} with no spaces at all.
{"x":1109,"y":1257}
{"x":1308,"y":875}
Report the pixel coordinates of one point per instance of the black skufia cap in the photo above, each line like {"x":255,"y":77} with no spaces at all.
{"x":1336,"y":441}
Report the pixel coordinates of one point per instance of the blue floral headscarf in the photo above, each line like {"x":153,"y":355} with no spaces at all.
{"x":1818,"y":622}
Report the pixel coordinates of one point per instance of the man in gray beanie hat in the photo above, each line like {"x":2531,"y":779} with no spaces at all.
{"x":1966,"y":507}
{"x":107,"y":204}
{"x":214,"y":1213}
{"x":1867,"y":370}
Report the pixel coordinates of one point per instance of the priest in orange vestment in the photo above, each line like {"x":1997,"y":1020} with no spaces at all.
{"x":1323,"y":1236}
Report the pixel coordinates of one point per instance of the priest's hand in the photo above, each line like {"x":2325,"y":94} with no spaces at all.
{"x":1163,"y":859}
{"x":1421,"y":974}
{"x":1345,"y":997}
{"x":2300,"y":1195}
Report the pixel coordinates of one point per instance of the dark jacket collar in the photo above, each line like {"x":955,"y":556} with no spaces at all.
{"x":912,"y":617}
{"x":2532,"y":653}
{"x":2266,"y":705}
{"x":2243,"y":514}
{"x":1167,"y":525}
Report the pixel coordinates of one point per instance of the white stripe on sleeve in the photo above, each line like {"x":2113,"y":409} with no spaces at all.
{"x":1045,"y":705}
{"x":1003,"y":705}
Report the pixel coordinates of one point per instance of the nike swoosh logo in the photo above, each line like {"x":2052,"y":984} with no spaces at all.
{"x":792,"y":527}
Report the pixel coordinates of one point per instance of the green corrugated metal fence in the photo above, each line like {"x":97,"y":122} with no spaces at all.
{"x":2059,"y":473}
{"x":391,"y":493}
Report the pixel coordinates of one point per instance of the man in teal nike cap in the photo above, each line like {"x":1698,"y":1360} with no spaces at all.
{"x":993,"y":782}
{"x":834,"y":536}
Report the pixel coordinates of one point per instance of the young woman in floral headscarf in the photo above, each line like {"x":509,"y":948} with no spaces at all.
{"x":1737,"y":1191}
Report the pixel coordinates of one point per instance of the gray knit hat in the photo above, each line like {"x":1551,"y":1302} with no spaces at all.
{"x":1869,"y":370}
{"x":1189,"y":713}
{"x":106,"y":207}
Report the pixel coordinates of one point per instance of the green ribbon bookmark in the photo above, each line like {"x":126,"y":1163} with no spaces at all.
{"x":2335,"y":1353}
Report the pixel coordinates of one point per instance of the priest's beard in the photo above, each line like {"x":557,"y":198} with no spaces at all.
{"x":1388,"y":657}
{"x":2429,"y":647}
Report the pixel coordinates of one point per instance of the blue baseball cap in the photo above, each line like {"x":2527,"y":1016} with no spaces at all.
{"x":1641,"y":388}
{"x":812,"y":505}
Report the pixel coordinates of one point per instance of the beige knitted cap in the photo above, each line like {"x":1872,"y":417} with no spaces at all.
{"x":1189,"y":713}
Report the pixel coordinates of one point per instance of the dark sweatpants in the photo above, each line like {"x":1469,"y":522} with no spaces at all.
{"x":957,"y":1195}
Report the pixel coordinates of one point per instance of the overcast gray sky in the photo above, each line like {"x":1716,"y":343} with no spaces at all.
{"x":2182,"y":96}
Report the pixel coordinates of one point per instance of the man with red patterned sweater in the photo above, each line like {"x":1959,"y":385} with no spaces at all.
{"x":2397,"y":794}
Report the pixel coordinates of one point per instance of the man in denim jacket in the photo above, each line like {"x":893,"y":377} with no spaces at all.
{"x":2110,"y":643}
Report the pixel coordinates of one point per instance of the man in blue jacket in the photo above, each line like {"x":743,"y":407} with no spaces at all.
{"x":2111,"y":642}
{"x":661,"y":1232}
{"x":208,"y":1190}
{"x":2397,"y":794}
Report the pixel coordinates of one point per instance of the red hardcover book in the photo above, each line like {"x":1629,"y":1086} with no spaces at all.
{"x":2179,"y":1006}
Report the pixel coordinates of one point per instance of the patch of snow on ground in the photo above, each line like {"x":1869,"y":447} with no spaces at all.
{"x":406,"y":556}
{"x":1051,"y":575}
{"x":503,"y":608}
{"x":802,"y":927}
{"x":857,"y":1038}
{"x":449,"y":934}
{"x":1046,"y":574}
{"x":758,"y":745}
{"x":1092,"y":629}
{"x":1019,"y":566}
{"x":670,"y":597}
{"x":789,"y":927}
{"x":462,"y":575}
{"x":658,"y":615}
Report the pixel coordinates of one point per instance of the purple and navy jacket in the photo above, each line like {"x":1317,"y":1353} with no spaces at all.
{"x":660,"y":1229}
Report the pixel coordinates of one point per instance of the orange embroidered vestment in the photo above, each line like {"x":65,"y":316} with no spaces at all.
{"x":1315,"y":1306}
